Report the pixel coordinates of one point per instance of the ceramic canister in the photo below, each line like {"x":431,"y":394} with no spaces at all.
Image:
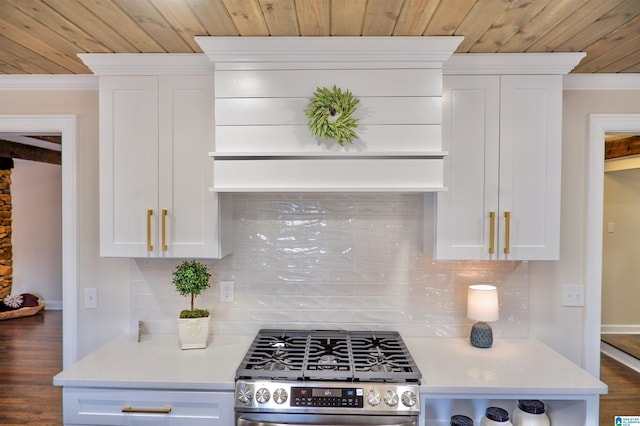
{"x":530,"y":412}
{"x":496,"y":416}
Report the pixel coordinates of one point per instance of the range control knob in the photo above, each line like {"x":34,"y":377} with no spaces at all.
{"x":373,"y":398}
{"x":391,"y":398}
{"x":280,"y":396}
{"x":409,"y":398}
{"x":245,"y":394}
{"x":263,"y":395}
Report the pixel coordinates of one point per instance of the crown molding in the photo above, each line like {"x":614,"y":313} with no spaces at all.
{"x":338,"y":50}
{"x":512,"y":63}
{"x":147,"y":63}
{"x":625,"y":81}
{"x":48,"y":82}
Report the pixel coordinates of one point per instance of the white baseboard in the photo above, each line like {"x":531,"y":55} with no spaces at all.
{"x":620,"y":356}
{"x":53,"y":305}
{"x":620,"y":329}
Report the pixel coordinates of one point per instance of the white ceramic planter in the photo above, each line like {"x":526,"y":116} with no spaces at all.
{"x":193,"y":332}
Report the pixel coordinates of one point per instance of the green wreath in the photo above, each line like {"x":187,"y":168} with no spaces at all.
{"x":330,"y":114}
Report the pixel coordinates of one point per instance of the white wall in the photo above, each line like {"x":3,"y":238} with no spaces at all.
{"x":562,"y":327}
{"x":36,"y":194}
{"x":621,"y":250}
{"x":109,"y":276}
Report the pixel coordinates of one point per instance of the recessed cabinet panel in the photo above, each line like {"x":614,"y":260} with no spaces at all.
{"x":128,"y":138}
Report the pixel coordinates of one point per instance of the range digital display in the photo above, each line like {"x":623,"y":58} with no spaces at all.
{"x":326,"y":397}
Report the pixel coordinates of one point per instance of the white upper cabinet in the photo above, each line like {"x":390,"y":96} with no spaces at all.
{"x":155,"y":135}
{"x":504,"y":138}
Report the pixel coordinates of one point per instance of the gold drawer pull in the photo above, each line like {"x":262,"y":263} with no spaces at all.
{"x":492,"y":232}
{"x":149,"y":245}
{"x":130,"y":409}
{"x":507,"y":232}
{"x":164,"y":230}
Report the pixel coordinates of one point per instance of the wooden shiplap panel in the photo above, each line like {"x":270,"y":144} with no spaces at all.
{"x":607,"y":50}
{"x":508,"y":24}
{"x":479,"y":19}
{"x":181,"y":18}
{"x":314,"y":17}
{"x":57,"y":30}
{"x":247,"y":17}
{"x":280,"y":17}
{"x":116,"y":19}
{"x":448,"y":16}
{"x":538,"y":26}
{"x":347,"y":17}
{"x":154,"y":24}
{"x":214,"y":17}
{"x":380,"y":17}
{"x":414,"y":17}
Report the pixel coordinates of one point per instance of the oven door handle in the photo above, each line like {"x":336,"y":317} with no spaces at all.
{"x":329,"y":420}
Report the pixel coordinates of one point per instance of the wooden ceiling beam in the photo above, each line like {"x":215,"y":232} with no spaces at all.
{"x":28,"y":152}
{"x":622,"y":147}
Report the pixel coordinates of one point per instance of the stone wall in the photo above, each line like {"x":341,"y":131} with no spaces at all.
{"x":6,"y":252}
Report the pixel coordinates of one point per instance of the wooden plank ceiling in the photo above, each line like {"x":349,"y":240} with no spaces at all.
{"x":44,"y":36}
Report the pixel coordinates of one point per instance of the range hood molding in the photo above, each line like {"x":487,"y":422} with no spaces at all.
{"x":394,"y":52}
{"x":263,"y":85}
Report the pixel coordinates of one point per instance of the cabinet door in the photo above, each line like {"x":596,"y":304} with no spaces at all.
{"x":470,"y":134}
{"x":128,"y":165}
{"x":530,"y":165}
{"x":191,"y":225}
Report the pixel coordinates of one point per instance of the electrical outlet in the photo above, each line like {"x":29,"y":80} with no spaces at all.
{"x":226,"y":291}
{"x":91,"y":298}
{"x":572,"y":295}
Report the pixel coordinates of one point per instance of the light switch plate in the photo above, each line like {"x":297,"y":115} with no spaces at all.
{"x":91,"y":298}
{"x":572,"y":295}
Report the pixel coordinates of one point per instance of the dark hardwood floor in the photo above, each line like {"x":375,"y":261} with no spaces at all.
{"x":31,"y":354}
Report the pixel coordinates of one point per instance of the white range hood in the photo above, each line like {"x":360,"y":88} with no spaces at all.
{"x":263,"y":85}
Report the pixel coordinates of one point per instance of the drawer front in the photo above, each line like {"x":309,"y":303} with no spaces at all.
{"x":94,"y":406}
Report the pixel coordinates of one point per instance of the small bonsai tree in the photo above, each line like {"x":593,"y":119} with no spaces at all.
{"x":192,"y":278}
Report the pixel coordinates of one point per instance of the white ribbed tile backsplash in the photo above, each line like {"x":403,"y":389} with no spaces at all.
{"x":351,"y":261}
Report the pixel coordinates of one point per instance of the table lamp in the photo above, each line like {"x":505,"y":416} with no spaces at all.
{"x":482,"y":306}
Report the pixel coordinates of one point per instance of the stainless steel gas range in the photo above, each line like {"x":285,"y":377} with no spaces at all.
{"x":327,"y":377}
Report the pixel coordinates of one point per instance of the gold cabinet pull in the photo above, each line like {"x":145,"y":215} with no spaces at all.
{"x":507,"y":232}
{"x":130,"y":409}
{"x":149,"y":245}
{"x":492,"y":231}
{"x":164,"y":230}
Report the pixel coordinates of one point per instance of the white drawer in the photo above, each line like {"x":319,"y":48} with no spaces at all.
{"x":99,"y":406}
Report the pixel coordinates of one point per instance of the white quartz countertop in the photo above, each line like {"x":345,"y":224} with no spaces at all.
{"x":448,"y":365}
{"x":157,"y":362}
{"x":510,"y":366}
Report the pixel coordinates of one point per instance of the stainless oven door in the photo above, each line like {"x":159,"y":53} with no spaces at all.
{"x":287,"y":419}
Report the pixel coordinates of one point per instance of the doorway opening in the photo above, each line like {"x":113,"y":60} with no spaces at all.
{"x":66,"y":126}
{"x":599,"y":126}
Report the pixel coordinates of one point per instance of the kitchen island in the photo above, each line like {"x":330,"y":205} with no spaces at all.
{"x":154,"y":378}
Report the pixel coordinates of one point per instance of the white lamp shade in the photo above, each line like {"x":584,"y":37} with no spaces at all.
{"x":482,"y":303}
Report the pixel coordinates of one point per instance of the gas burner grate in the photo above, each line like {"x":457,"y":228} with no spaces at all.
{"x":328,"y":355}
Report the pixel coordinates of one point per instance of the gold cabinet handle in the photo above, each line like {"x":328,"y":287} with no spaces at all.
{"x":149,"y":245}
{"x":130,"y":409}
{"x":492,"y":231}
{"x":507,"y":232}
{"x":164,"y":230}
